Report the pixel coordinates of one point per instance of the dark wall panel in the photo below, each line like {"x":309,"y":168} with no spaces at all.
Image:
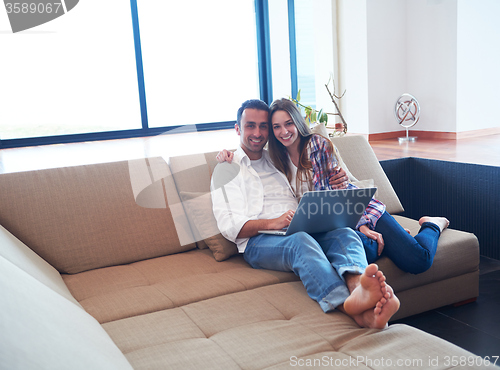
{"x":467,"y":194}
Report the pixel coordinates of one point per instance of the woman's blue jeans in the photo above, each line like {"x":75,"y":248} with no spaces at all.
{"x":320,"y":260}
{"x":410,"y":254}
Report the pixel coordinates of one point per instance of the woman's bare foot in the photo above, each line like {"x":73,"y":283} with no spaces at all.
{"x":441,"y":222}
{"x":370,"y":290}
{"x":379,"y":317}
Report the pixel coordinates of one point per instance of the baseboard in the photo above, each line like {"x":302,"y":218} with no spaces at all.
{"x":386,"y":135}
{"x":426,"y":135}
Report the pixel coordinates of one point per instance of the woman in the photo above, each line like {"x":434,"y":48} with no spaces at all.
{"x":309,"y":161}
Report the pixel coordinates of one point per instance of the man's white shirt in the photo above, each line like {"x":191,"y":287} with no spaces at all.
{"x":250,"y":196}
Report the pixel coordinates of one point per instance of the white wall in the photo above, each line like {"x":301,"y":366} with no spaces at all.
{"x":478,"y":61}
{"x":387,"y":53}
{"x":353,"y":61}
{"x":432,"y":62}
{"x":444,"y":52}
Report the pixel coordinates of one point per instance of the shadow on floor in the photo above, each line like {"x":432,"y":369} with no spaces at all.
{"x":473,"y":326}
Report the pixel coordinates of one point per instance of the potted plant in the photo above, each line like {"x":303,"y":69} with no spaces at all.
{"x":320,"y":117}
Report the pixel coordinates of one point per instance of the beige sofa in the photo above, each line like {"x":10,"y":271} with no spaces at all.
{"x":104,"y":267}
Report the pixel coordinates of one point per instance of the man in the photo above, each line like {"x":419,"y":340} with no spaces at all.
{"x":250,"y":194}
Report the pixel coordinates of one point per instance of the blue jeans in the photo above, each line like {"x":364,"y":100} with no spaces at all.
{"x":410,"y":254}
{"x":319,"y":260}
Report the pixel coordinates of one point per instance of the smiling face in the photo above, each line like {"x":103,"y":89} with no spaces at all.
{"x":284,"y":129}
{"x":253,"y":131}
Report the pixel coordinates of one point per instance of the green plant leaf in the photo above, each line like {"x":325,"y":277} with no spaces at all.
{"x":298,"y":96}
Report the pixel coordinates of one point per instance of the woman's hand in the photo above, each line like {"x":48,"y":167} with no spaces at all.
{"x":339,"y":180}
{"x":225,"y":156}
{"x":375,"y":236}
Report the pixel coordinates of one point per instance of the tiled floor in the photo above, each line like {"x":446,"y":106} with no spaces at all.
{"x":473,"y":326}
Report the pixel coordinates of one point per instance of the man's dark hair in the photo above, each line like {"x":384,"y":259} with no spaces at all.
{"x":251,"y":104}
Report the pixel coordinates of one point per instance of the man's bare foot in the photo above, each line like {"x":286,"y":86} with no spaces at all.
{"x":379,"y":317}
{"x":441,"y":222}
{"x":370,"y":290}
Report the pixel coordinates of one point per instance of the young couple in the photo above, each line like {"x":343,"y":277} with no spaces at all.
{"x":332,"y":266}
{"x":309,"y":162}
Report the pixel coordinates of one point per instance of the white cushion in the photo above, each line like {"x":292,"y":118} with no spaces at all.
{"x":15,"y":251}
{"x":43,"y":330}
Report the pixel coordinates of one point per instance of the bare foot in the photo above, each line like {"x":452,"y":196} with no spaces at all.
{"x":441,"y":222}
{"x":379,"y":317}
{"x":370,"y":290}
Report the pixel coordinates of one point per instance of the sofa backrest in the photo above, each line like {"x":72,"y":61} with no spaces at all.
{"x":193,"y":172}
{"x":86,"y":217}
{"x":360,"y":158}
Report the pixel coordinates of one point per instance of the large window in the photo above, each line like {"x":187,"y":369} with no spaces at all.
{"x":200,"y":59}
{"x":303,"y":44}
{"x":304,"y":35}
{"x":142,"y":67}
{"x":73,"y":75}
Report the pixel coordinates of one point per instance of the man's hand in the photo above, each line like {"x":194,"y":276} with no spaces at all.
{"x":375,"y":236}
{"x":339,"y":180}
{"x":225,"y":156}
{"x":282,"y":221}
{"x":252,"y":227}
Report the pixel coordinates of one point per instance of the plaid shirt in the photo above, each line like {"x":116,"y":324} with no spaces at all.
{"x":323,"y":161}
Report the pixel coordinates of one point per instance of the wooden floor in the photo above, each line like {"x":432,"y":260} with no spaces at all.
{"x":480,"y":150}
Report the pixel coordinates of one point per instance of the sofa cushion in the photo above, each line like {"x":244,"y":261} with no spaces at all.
{"x":276,"y":326}
{"x":40,"y":329}
{"x":117,"y":292}
{"x":362,"y":162}
{"x":172,"y":281}
{"x":457,"y":254}
{"x":192,"y":173}
{"x":453,"y":276}
{"x":86,"y":217}
{"x":199,"y":210}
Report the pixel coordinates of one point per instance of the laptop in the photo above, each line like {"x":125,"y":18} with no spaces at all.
{"x":325,"y":210}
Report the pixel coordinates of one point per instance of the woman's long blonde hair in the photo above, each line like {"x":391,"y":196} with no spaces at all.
{"x":278,"y":151}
